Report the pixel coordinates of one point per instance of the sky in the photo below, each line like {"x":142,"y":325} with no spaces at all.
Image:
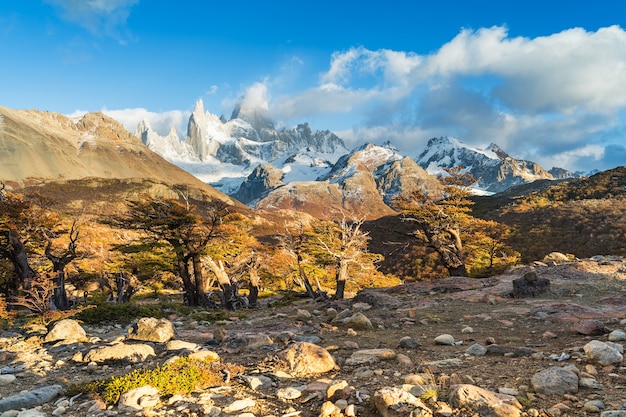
{"x":545,"y":80}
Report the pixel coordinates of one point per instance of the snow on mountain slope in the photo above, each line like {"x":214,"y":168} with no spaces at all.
{"x":222,"y":153}
{"x":493,"y":169}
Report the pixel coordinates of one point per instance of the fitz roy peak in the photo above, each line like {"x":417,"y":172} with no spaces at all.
{"x":223,"y":152}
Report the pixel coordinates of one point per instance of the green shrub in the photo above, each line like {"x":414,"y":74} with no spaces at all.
{"x":123,"y":313}
{"x":181,"y":376}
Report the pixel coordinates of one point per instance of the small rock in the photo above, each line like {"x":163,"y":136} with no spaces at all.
{"x":530,"y":285}
{"x":173,"y":345}
{"x":590,"y":383}
{"x":31,"y":413}
{"x":289,"y":393}
{"x":358,"y":321}
{"x":6,"y":379}
{"x":30,"y":399}
{"x":329,"y":409}
{"x":258,"y":382}
{"x":444,"y":339}
{"x":205,"y":354}
{"x":476,"y":350}
{"x":239,"y":405}
{"x":138,"y":399}
{"x":617,"y":336}
{"x":366,"y":356}
{"x":409,"y":343}
{"x":302,"y":314}
{"x":483,"y":402}
{"x":59,"y":411}
{"x":395,"y":402}
{"x":307,"y":359}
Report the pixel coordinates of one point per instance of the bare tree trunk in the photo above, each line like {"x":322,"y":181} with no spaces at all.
{"x":190,"y":289}
{"x":255,"y":282}
{"x":17,"y":254}
{"x":305,"y":280}
{"x":223,"y":279}
{"x":201,"y":286}
{"x":59,"y":296}
{"x":342,"y":276}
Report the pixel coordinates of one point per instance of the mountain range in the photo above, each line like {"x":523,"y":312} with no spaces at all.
{"x":247,"y":159}
{"x":250,"y":159}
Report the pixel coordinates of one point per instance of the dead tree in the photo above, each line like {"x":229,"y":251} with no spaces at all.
{"x":59,"y":262}
{"x":125,"y":288}
{"x":294,"y":244}
{"x":346,"y":243}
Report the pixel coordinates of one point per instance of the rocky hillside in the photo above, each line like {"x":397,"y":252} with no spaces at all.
{"x":38,"y":147}
{"x":454,"y":347}
{"x":362,"y":183}
{"x":582,"y":216}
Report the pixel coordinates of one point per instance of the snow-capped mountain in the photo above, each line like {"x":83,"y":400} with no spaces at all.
{"x":362,"y":183}
{"x":223,"y":152}
{"x":493,"y":169}
{"x":250,"y":159}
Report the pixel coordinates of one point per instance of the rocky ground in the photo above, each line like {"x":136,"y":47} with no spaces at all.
{"x":449,"y":347}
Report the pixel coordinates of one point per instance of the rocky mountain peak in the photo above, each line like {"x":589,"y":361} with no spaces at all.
{"x":497,"y":150}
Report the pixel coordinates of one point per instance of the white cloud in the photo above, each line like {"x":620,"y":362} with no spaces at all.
{"x":161,"y":122}
{"x":256,"y":97}
{"x":100,"y":17}
{"x":543,"y":98}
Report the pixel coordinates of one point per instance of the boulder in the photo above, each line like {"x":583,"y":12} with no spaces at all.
{"x":555,"y":381}
{"x":395,"y":402}
{"x":530,"y":285}
{"x":305,"y":358}
{"x":150,"y":329}
{"x":483,"y":402}
{"x":120,"y":352}
{"x":68,"y":331}
{"x":30,"y":399}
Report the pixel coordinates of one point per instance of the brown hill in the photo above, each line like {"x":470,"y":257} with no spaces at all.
{"x":37,"y":147}
{"x":583,"y":217}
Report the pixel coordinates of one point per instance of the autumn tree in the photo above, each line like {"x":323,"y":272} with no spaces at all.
{"x":187,"y":228}
{"x":346,"y":244}
{"x":295,"y":243}
{"x":60,"y":259}
{"x":15,"y":230}
{"x":487,"y":252}
{"x":440,"y":221}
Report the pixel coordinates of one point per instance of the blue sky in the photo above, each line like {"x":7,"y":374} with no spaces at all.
{"x":545,"y":80}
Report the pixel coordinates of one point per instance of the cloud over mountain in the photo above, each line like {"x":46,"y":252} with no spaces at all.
{"x":543,"y":98}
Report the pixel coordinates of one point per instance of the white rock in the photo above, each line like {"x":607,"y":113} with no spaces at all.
{"x":239,"y":405}
{"x":6,"y":379}
{"x":288,"y":393}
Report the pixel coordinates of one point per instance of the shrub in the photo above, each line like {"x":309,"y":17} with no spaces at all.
{"x":181,"y":376}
